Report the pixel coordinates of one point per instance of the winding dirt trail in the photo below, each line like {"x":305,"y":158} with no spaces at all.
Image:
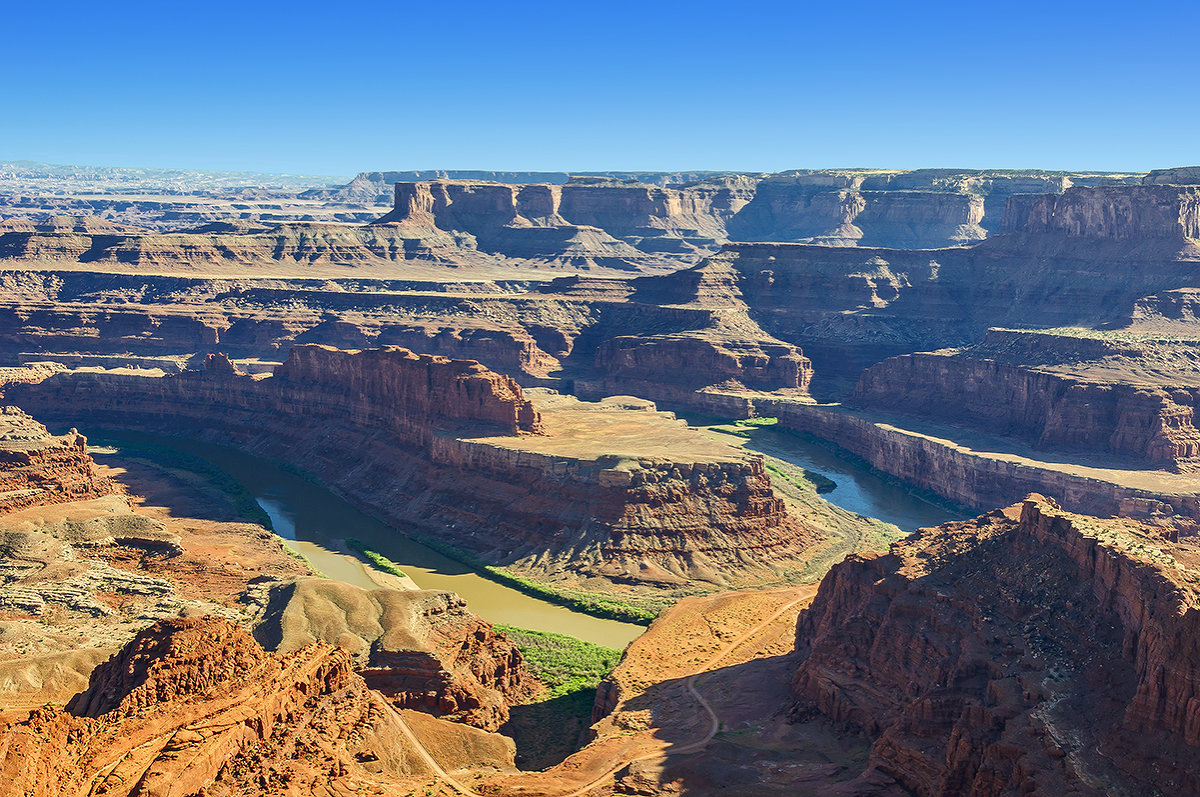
{"x":691,"y":683}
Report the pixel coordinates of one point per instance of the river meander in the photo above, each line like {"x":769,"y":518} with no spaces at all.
{"x":315,"y":522}
{"x":860,"y":488}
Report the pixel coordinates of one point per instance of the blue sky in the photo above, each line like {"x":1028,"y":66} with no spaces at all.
{"x":337,"y":88}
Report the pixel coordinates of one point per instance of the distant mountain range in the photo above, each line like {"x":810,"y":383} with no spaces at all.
{"x":25,"y":174}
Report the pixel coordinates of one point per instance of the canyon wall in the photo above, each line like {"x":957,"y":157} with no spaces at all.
{"x":1028,"y":650}
{"x":1078,"y":410}
{"x":1119,"y":213}
{"x":38,"y":468}
{"x":457,"y":451}
{"x":805,"y":211}
{"x":971,"y":478}
{"x":921,"y":209}
{"x":681,"y":369}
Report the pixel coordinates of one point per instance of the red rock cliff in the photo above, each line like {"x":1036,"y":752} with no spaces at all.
{"x":1045,"y":654}
{"x":37,"y":467}
{"x":1073,"y":408}
{"x":397,"y":388}
{"x":196,"y":706}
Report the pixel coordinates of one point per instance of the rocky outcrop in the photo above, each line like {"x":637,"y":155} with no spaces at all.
{"x":197,"y":706}
{"x":421,"y":649}
{"x":674,"y":368}
{"x":588,"y":216}
{"x":1180,"y":175}
{"x":589,"y":490}
{"x":1122,"y":214}
{"x":1026,"y":651}
{"x":1060,"y":392}
{"x":38,"y":468}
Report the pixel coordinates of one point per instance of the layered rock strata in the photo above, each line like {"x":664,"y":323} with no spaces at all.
{"x":38,"y":468}
{"x":1029,"y":650}
{"x":607,"y":490}
{"x":1055,"y":391}
{"x":314,"y":246}
{"x":846,"y":307}
{"x":197,"y":706}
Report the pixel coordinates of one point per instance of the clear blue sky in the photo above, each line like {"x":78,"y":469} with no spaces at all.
{"x":337,"y":88}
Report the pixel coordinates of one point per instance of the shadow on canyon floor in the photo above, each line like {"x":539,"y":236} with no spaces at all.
{"x":549,"y":731}
{"x":757,"y":750}
{"x":185,"y":486}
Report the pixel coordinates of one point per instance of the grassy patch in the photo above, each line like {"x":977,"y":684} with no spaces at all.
{"x":563,"y":663}
{"x":731,"y":431}
{"x":804,"y":478}
{"x":378,"y":560}
{"x":758,"y":422}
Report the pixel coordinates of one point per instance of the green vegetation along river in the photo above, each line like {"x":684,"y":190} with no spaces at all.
{"x":316,"y":523}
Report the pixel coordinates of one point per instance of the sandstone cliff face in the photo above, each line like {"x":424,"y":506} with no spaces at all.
{"x":1045,"y":654}
{"x":455,"y":449}
{"x":808,"y":210}
{"x":407,"y":392}
{"x":39,"y":468}
{"x":197,"y":706}
{"x":674,"y":367}
{"x":1124,"y":213}
{"x":990,"y":388}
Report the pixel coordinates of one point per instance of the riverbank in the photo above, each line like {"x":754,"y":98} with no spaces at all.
{"x":316,"y":522}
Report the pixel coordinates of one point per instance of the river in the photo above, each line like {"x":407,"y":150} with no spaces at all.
{"x":860,"y":489}
{"x":316,"y":523}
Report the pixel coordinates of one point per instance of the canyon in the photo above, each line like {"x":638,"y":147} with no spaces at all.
{"x":493,"y":363}
{"x":1027,"y":650}
{"x":565,"y":489}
